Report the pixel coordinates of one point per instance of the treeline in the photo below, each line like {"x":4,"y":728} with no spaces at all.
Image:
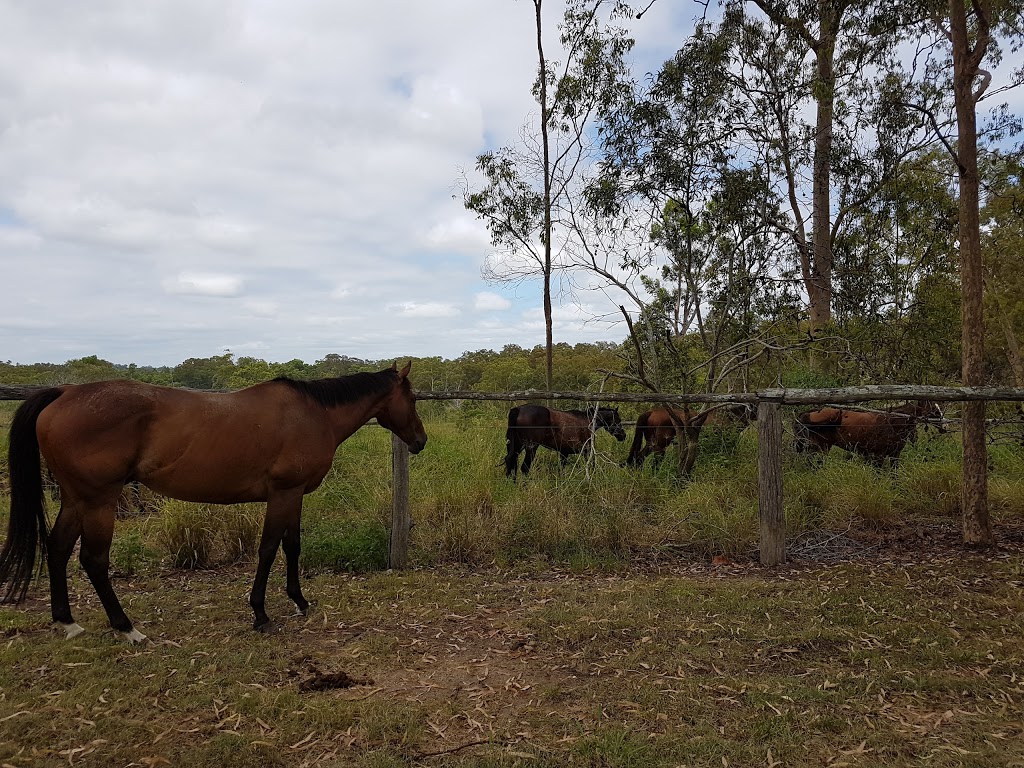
{"x":922,"y":347}
{"x":580,"y":367}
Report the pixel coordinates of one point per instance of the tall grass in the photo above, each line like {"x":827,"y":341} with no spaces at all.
{"x":466,"y":511}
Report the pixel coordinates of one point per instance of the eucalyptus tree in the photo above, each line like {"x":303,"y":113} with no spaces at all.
{"x":698,"y":217}
{"x":972,"y":36}
{"x":678,"y":223}
{"x":527,"y":186}
{"x":965,"y":39}
{"x":829,"y":55}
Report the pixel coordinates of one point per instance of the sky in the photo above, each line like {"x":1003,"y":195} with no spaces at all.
{"x":183,"y":178}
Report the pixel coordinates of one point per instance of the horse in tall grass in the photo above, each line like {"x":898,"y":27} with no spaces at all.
{"x":875,"y":435}
{"x":567,"y":432}
{"x":655,"y":429}
{"x":271,"y":442}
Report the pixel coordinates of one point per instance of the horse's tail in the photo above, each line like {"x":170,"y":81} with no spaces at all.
{"x":511,"y":452}
{"x":638,"y":439}
{"x":27,"y":527}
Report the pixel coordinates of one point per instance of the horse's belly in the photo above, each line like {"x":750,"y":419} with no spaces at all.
{"x":210,"y":485}
{"x":869,"y":440}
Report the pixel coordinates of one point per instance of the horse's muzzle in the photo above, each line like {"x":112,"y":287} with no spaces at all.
{"x":417,"y":445}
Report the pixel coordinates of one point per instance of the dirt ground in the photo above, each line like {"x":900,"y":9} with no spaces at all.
{"x":894,"y":648}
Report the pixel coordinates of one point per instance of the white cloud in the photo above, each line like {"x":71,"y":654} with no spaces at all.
{"x":204,"y":284}
{"x":486,"y":301}
{"x":262,"y":308}
{"x":428,"y":309}
{"x":461,"y":234}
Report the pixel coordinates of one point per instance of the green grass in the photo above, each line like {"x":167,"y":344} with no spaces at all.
{"x":466,"y":511}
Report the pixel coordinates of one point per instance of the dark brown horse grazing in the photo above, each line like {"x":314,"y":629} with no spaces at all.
{"x":876,"y":435}
{"x":655,"y":430}
{"x":568,"y":432}
{"x":272,"y":442}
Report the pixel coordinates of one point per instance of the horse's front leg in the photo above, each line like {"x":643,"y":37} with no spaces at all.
{"x":292,"y":547}
{"x":531,"y":451}
{"x":282,"y":508}
{"x":512,"y":449}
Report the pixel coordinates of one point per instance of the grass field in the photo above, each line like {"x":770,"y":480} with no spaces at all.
{"x":887,"y":661}
{"x":574,"y":619}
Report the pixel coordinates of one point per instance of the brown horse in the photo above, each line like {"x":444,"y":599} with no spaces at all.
{"x":272,"y":442}
{"x":655,"y":430}
{"x":876,"y":435}
{"x":568,"y":432}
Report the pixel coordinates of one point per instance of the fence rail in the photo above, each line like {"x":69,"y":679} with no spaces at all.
{"x":781,"y":395}
{"x":770,"y":502}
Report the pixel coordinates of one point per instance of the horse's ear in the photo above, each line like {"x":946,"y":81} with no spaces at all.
{"x":405,"y":371}
{"x":394,"y":366}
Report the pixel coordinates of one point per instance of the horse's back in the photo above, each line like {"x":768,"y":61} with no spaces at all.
{"x":879,"y":434}
{"x":529,"y":415}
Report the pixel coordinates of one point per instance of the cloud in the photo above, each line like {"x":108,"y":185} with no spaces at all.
{"x":486,"y":301}
{"x":461,"y":234}
{"x":204,"y":284}
{"x":428,"y":309}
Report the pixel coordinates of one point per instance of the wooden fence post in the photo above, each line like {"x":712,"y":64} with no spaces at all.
{"x":769,"y":483}
{"x":401,"y":520}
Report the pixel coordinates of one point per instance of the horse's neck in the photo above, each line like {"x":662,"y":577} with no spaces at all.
{"x":346,"y":418}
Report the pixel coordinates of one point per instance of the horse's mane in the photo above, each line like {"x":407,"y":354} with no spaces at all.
{"x":343,"y":389}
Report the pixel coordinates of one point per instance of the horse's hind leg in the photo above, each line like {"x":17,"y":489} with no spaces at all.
{"x":97,"y":534}
{"x":65,"y":532}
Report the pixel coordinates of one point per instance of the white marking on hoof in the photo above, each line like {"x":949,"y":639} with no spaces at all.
{"x":74,"y":629}
{"x":135,"y":636}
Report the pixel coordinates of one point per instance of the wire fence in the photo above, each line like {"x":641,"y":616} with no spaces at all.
{"x":770,"y":430}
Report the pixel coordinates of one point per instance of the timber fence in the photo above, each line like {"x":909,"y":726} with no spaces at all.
{"x":772,"y":523}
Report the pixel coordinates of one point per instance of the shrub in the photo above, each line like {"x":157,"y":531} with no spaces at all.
{"x":344,"y":545}
{"x":189,"y":535}
{"x":240,"y":526}
{"x":129,"y":553}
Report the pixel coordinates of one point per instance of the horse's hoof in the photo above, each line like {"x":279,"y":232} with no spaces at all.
{"x":135,"y":637}
{"x":264,"y":626}
{"x":74,"y":629}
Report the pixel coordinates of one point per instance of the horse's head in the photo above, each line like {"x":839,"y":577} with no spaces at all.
{"x":398,"y":412}
{"x":609,"y":419}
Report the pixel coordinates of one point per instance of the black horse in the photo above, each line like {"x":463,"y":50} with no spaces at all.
{"x":568,"y":432}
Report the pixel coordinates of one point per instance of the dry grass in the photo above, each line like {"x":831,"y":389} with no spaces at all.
{"x":890,"y":662}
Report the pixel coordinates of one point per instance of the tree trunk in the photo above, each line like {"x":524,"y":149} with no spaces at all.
{"x":1012,"y":347}
{"x":819,"y":289}
{"x":544,"y":117}
{"x":966,"y":63}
